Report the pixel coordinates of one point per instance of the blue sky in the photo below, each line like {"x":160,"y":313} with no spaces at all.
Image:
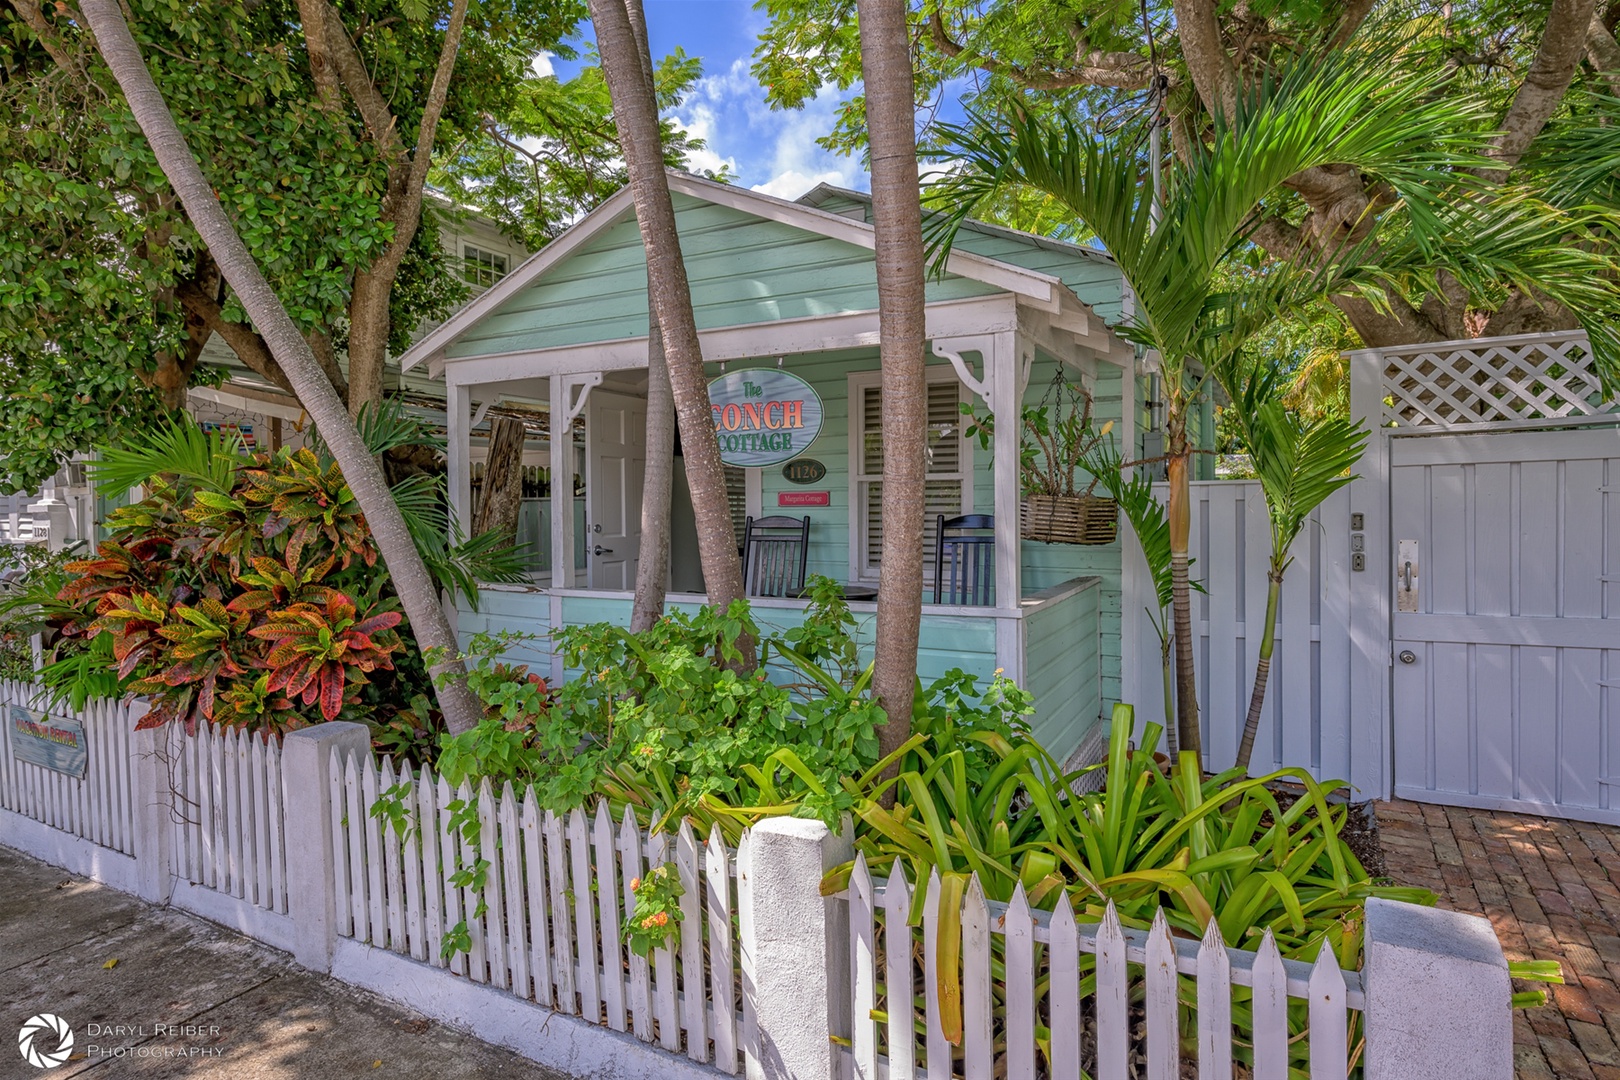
{"x":771,"y":151}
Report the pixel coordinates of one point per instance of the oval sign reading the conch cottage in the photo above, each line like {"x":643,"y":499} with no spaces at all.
{"x":763,"y":416}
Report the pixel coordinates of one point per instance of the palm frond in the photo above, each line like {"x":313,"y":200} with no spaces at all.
{"x":386,"y":425}
{"x":1347,"y":109}
{"x":176,"y":447}
{"x":456,"y":566}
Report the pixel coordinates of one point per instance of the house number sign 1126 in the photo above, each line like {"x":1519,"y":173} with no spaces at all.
{"x":804,"y":471}
{"x":763,"y":416}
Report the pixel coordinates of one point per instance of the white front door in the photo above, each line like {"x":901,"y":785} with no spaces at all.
{"x":616,"y":459}
{"x":1507,"y":642}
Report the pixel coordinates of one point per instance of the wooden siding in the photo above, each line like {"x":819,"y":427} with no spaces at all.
{"x":743,"y":270}
{"x":1061,"y":662}
{"x":1091,"y":274}
{"x":510,"y":611}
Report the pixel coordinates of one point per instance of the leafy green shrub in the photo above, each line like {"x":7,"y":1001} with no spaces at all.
{"x":654,"y":921}
{"x":667,"y":722}
{"x":1222,"y":848}
{"x":247,"y":590}
{"x":249,"y":598}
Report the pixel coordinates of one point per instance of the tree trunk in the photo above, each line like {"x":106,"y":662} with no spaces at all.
{"x":368,"y":335}
{"x":462,"y":710}
{"x":635,"y":115}
{"x":658,"y":481}
{"x":1262,"y":670}
{"x":897,"y":224}
{"x":1188,"y":736}
{"x":502,"y":499}
{"x":652,"y":573}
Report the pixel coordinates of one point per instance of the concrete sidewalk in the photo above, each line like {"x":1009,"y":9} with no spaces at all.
{"x":153,"y":993}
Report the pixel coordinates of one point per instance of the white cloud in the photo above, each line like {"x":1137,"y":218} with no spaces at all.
{"x":773,"y":151}
{"x":699,"y":123}
{"x":541,"y":66}
{"x":793,"y":183}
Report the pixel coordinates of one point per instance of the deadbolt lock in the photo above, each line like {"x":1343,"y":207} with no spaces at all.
{"x":1408,"y":656}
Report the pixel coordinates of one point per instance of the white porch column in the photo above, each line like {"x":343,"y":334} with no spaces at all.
{"x":1006,"y":392}
{"x":1004,"y":368}
{"x":562,"y":485}
{"x":1133,"y":568}
{"x":458,"y":436}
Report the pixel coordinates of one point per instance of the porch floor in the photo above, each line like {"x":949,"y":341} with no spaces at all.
{"x":1552,"y":890}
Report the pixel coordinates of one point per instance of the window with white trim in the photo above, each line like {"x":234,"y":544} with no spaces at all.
{"x":482,"y":267}
{"x":948,"y":489}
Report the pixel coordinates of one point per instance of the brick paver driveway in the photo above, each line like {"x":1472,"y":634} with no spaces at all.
{"x":1552,"y":889}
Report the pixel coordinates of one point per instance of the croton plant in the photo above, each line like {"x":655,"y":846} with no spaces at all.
{"x":253,"y":604}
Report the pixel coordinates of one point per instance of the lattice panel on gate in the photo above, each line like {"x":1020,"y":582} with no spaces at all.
{"x":1491,"y":381}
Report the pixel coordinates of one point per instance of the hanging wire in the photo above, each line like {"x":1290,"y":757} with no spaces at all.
{"x":1146,"y":104}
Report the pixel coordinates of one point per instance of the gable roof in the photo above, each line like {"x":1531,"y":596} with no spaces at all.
{"x":1089,"y":271}
{"x":1036,"y":288}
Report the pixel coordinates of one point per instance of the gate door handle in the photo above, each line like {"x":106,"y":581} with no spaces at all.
{"x":600,"y":550}
{"x":1408,"y":656}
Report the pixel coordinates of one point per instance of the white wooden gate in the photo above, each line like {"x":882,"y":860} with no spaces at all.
{"x":1502,"y":573}
{"x":1508,"y":640}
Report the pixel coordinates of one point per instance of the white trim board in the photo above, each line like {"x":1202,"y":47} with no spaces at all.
{"x":807,"y":334}
{"x":1042,"y":291}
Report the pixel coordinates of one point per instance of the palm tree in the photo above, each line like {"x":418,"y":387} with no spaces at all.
{"x":462,"y":709}
{"x":1300,"y":462}
{"x":635,"y":114}
{"x":891,"y":110}
{"x":1151,"y":527}
{"x":658,"y":482}
{"x":1348,"y":108}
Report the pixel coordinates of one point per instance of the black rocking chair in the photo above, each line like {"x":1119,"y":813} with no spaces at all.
{"x":776,"y":552}
{"x":964,"y":559}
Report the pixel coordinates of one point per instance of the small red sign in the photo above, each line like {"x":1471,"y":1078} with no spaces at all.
{"x":804,"y":498}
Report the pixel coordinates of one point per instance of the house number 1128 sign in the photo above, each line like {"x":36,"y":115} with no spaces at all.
{"x":763,"y":416}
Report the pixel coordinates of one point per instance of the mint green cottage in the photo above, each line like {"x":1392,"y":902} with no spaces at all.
{"x":791,"y":285}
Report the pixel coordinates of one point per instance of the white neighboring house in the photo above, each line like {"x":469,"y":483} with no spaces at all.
{"x":66,"y":509}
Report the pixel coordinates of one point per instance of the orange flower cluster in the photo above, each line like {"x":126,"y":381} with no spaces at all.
{"x":660,"y":919}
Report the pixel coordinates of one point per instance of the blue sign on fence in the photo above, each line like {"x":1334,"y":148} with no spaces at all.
{"x":51,"y":742}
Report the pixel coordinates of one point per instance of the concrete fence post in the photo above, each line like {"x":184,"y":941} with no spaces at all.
{"x":306,"y":769}
{"x":1438,"y":995}
{"x":795,"y":949}
{"x":152,"y":785}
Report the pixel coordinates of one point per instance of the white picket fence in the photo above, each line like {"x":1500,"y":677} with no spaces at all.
{"x":768,"y":978}
{"x":1048,"y":946}
{"x":100,"y":807}
{"x":1306,"y":722}
{"x":228,"y":814}
{"x":554,"y":899}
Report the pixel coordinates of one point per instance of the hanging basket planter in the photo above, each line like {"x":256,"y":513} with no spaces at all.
{"x":1068,"y":519}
